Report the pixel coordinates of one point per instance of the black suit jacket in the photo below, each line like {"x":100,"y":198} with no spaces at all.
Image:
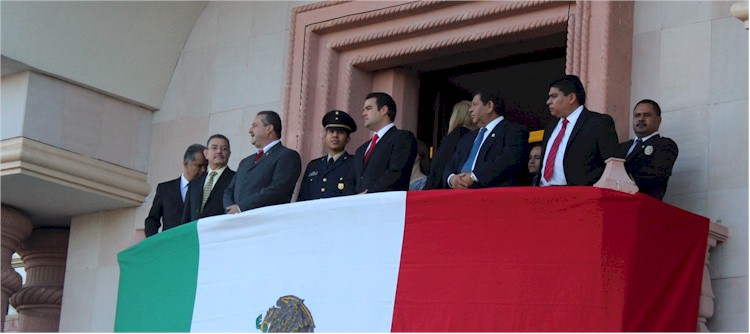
{"x":651,"y":167}
{"x":166,"y":208}
{"x":322,"y":181}
{"x":390,"y":163}
{"x":501,"y":159}
{"x":214,"y":204}
{"x":442,"y":159}
{"x":270,"y":181}
{"x":592,"y":141}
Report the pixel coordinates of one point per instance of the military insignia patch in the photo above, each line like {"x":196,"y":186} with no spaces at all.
{"x":313,"y":173}
{"x":290,"y":315}
{"x":648,"y":150}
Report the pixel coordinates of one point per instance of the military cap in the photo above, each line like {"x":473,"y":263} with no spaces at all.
{"x":339,"y":119}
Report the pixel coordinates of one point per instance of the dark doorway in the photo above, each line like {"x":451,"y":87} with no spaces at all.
{"x":522,"y":78}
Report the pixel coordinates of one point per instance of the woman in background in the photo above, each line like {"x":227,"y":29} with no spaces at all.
{"x":420,"y":167}
{"x":459,"y":124}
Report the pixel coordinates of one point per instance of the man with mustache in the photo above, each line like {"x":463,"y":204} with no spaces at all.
{"x":330,"y":175}
{"x":649,"y":157}
{"x":205,"y":194}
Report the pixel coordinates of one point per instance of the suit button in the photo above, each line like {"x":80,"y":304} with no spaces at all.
{"x":322,"y":190}
{"x":324,"y":179}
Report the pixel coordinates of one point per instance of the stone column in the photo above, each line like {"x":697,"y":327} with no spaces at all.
{"x":38,"y":303}
{"x":16,"y":227}
{"x":716,"y":233}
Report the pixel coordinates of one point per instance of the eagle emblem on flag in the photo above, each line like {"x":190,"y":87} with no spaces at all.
{"x":290,"y":315}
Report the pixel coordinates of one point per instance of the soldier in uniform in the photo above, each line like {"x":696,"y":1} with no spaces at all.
{"x":331,"y":175}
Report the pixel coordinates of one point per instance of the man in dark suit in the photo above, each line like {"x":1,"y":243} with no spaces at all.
{"x":267,"y":177}
{"x":581,"y":139}
{"x":383,"y":163}
{"x":650,"y":157}
{"x":205,"y":194}
{"x":493,"y":155}
{"x":166,"y":210}
{"x":330,"y":175}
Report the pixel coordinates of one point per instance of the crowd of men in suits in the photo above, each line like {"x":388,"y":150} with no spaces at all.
{"x":573,"y":151}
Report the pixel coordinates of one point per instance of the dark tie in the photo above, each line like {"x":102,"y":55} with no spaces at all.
{"x":638,"y":143}
{"x":549,"y":165}
{"x":330,"y":162}
{"x":374,"y":142}
{"x":474,"y":151}
{"x":257,"y":157}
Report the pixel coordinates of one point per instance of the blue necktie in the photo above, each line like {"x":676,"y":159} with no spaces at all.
{"x":474,"y":152}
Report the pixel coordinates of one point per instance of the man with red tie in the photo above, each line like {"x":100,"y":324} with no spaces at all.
{"x":581,"y":139}
{"x":267,"y":177}
{"x":383,"y":163}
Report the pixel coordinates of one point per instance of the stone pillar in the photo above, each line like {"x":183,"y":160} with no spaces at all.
{"x":716,"y":234}
{"x":16,"y":227}
{"x":38,"y":303}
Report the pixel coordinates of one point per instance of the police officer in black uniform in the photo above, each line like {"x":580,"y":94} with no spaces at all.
{"x":331,"y":175}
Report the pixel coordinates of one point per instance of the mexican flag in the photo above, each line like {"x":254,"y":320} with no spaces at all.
{"x":514,"y":259}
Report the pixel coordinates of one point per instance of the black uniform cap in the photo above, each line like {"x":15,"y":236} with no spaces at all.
{"x":339,"y":119}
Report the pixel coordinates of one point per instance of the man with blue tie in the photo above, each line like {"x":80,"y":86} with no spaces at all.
{"x":493,"y":155}
{"x":650,"y":157}
{"x":169,"y":200}
{"x":331,"y":174}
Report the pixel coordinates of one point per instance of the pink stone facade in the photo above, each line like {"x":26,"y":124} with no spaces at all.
{"x":339,"y":52}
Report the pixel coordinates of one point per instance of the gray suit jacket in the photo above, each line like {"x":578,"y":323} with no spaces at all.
{"x":270,"y":181}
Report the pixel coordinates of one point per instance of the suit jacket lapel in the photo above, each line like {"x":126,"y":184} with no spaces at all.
{"x":379,"y":147}
{"x":580,"y":123}
{"x":490,"y":140}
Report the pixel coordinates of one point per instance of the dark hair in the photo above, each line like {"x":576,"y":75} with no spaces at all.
{"x":486,"y":96}
{"x":383,"y":99}
{"x":272,"y":118}
{"x":570,"y":84}
{"x":191,"y":151}
{"x":424,"y":158}
{"x":653,"y":103}
{"x":220,"y":136}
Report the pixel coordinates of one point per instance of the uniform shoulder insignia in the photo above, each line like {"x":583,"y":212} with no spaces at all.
{"x":290,"y":315}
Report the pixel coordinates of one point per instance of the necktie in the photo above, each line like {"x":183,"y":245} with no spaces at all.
{"x":635,"y":146}
{"x":330,"y":162}
{"x":374,"y":142}
{"x":549,"y":165}
{"x":474,"y":152}
{"x":257,"y":156}
{"x":207,"y":188}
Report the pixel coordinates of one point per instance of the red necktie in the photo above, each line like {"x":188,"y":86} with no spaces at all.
{"x":374,"y":141}
{"x":260,"y":154}
{"x":549,"y":165}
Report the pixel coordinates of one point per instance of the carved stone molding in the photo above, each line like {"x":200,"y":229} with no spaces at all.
{"x":616,"y":178}
{"x":740,"y":10}
{"x":16,"y":227}
{"x":716,"y":234}
{"x":23,"y":155}
{"x":44,"y":255}
{"x":337,"y":49}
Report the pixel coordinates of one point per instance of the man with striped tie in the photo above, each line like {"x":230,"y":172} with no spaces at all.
{"x":205,"y":194}
{"x":492,"y":155}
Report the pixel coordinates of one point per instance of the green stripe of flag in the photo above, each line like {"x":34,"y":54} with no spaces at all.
{"x":150,"y":299}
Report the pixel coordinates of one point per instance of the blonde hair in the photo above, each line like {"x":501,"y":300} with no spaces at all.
{"x":461,"y":116}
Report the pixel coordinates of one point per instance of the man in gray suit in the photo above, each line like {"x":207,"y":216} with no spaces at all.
{"x":267,"y":177}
